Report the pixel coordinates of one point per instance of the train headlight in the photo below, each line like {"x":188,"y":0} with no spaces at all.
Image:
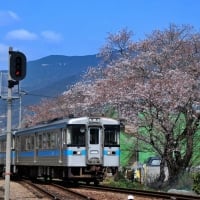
{"x":76,"y":152}
{"x":111,"y":152}
{"x":82,"y":129}
{"x":93,"y":120}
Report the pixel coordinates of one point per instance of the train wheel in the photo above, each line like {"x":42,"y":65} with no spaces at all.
{"x":96,"y":182}
{"x":87,"y":182}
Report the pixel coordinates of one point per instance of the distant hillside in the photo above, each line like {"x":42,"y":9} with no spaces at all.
{"x":51,"y":75}
{"x":46,"y":77}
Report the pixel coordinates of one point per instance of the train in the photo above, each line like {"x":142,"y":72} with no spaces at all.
{"x":74,"y":149}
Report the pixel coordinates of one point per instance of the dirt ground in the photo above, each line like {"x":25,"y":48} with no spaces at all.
{"x":17,"y":191}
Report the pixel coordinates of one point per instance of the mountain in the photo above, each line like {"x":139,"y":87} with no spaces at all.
{"x":52,"y":75}
{"x":47,"y":77}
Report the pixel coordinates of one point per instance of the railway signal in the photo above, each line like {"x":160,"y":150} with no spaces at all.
{"x":17,"y":65}
{"x":17,"y":72}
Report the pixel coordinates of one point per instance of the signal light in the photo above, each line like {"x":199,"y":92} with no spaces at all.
{"x":17,"y":65}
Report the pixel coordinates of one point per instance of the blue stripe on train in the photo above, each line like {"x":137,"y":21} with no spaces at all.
{"x":3,"y":154}
{"x":49,"y":153}
{"x":45,"y":153}
{"x":26,"y":154}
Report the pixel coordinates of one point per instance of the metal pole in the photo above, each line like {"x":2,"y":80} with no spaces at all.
{"x":8,"y":139}
{"x":20,"y":110}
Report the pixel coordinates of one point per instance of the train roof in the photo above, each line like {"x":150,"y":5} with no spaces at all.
{"x":61,"y":123}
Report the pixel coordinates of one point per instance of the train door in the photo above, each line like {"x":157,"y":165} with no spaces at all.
{"x":95,"y":145}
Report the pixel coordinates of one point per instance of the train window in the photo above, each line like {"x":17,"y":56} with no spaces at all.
{"x":32,"y":142}
{"x":94,"y":136}
{"x":39,"y":141}
{"x":111,"y":135}
{"x":53,"y":140}
{"x":75,"y":135}
{"x":68,"y":140}
{"x":18,"y":143}
{"x":3,"y":146}
{"x":29,"y":140}
{"x":64,"y":133}
{"x":48,"y":140}
{"x":45,"y":141}
{"x":27,"y":143}
{"x":23,"y":143}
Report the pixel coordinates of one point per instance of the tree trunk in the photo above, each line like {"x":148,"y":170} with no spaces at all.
{"x":162,"y":176}
{"x":174,"y":175}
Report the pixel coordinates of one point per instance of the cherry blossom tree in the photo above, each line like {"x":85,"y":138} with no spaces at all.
{"x":154,"y":85}
{"x":156,"y":88}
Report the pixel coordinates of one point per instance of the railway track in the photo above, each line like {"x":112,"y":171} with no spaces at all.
{"x":60,"y":190}
{"x":142,"y":193}
{"x":54,"y":191}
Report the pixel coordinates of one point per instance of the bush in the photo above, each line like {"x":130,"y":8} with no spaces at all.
{"x":184,"y":182}
{"x":196,"y":184}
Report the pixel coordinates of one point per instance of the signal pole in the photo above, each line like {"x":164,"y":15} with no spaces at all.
{"x":16,"y":73}
{"x":8,"y":138}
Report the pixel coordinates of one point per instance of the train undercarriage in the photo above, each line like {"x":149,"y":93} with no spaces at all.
{"x":87,"y":174}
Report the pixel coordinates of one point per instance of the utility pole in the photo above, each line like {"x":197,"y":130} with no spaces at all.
{"x":8,"y":138}
{"x":21,"y":93}
{"x":20,"y":110}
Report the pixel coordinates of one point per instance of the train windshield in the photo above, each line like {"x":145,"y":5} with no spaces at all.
{"x":75,"y":135}
{"x":111,"y":135}
{"x":94,"y":135}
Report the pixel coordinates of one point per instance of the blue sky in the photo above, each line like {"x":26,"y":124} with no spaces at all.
{"x":79,"y":27}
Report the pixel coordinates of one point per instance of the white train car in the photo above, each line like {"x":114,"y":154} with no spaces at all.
{"x":78,"y":149}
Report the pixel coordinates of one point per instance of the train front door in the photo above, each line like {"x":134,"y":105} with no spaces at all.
{"x":95,"y":145}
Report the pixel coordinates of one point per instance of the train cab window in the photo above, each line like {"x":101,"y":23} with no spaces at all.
{"x":75,"y":135}
{"x":111,"y":135}
{"x":94,"y":135}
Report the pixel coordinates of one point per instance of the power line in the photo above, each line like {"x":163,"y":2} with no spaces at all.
{"x":39,"y":95}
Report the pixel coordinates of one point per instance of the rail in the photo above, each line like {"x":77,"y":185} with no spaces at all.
{"x":162,"y":195}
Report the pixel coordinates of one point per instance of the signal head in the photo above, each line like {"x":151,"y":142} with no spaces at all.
{"x":17,"y":65}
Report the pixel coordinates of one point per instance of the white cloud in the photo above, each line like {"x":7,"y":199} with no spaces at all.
{"x":7,"y":17}
{"x":51,"y":36}
{"x":21,"y":34}
{"x":13,"y":15}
